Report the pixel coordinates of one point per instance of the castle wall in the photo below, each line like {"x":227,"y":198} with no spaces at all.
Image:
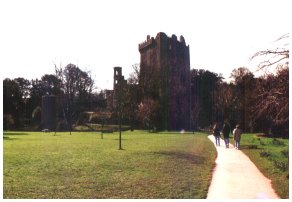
{"x":165,"y":76}
{"x":149,"y":68}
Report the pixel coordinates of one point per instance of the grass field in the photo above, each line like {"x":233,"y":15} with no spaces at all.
{"x":271,"y":156}
{"x":81,"y":165}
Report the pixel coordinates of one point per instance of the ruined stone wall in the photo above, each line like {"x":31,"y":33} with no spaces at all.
{"x":119,"y":85}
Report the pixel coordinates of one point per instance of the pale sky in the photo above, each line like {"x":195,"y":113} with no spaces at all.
{"x":99,"y":35}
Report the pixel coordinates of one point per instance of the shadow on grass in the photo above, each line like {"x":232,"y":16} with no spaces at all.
{"x":176,"y":133}
{"x":193,"y":159}
{"x":8,"y":138}
{"x":251,"y":146}
{"x":271,"y":136}
{"x":15,"y":133}
{"x":56,"y":134}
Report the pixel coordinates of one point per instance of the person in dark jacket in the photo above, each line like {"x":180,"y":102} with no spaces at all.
{"x":216,"y":133}
{"x":226,"y":131}
{"x":237,"y":136}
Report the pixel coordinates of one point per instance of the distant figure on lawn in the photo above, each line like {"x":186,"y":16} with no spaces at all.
{"x":226,"y":131}
{"x":216,"y":133}
{"x":237,"y":135}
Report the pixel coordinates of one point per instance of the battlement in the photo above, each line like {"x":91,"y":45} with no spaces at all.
{"x":181,"y":39}
{"x":160,"y":35}
{"x":146,"y":43}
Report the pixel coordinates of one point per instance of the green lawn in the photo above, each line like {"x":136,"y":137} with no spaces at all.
{"x":82,"y":165}
{"x":271,"y":156}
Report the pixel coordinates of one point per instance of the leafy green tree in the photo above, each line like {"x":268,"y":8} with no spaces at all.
{"x":37,"y":90}
{"x":12,"y":101}
{"x":24,"y":87}
{"x":204,"y":84}
{"x":25,"y":110}
{"x":52,"y":85}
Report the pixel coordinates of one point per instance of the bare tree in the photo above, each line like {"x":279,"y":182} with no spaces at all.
{"x":274,"y":56}
{"x":101,"y":116}
{"x":272,"y":102}
{"x":77,"y":86}
{"x":134,"y":76}
{"x":272,"y":92}
{"x":147,"y":113}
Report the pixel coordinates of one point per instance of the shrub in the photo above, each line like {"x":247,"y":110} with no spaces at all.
{"x":95,"y":119}
{"x":8,"y":121}
{"x":285,"y":153}
{"x":253,"y":146}
{"x":265,"y":154}
{"x":277,"y":142}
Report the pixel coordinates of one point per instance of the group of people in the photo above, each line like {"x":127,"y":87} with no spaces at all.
{"x":226,"y":131}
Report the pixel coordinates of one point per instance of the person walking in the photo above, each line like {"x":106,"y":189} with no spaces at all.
{"x":216,"y":133}
{"x":237,"y":135}
{"x":226,"y":132}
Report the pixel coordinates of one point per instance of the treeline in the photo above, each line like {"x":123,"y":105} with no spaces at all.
{"x":22,"y":98}
{"x":257,"y":104}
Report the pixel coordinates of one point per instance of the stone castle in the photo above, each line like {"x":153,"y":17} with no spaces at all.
{"x":164,"y":77}
{"x":167,"y":61}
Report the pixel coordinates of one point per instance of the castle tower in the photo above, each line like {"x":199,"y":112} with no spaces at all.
{"x":119,"y":84}
{"x":118,"y":77}
{"x":165,"y":76}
